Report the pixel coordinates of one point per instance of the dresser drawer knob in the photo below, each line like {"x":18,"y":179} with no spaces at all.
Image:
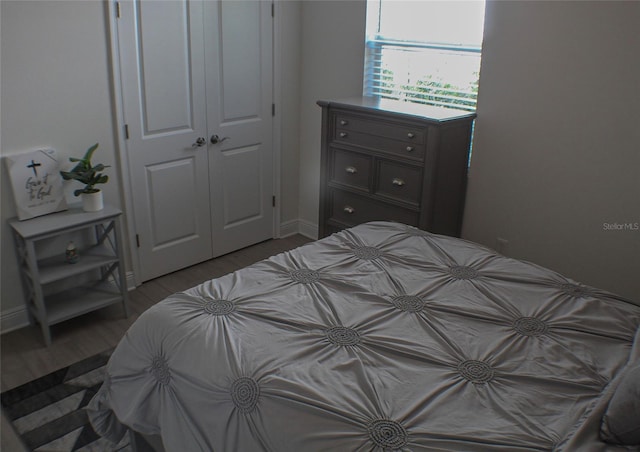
{"x":411,"y":135}
{"x":409,"y":148}
{"x":349,"y":209}
{"x":398,"y":182}
{"x":343,"y":134}
{"x":344,"y":122}
{"x":351,"y":169}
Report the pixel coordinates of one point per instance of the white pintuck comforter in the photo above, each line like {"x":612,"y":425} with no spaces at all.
{"x":381,"y":337}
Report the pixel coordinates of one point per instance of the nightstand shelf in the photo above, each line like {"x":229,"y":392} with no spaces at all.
{"x":80,"y":300}
{"x":55,"y":268}
{"x":99,"y":269}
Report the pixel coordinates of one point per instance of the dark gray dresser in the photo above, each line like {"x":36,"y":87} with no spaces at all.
{"x":395,"y":161}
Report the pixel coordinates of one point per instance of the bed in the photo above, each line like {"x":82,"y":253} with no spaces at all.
{"x":380,"y":337}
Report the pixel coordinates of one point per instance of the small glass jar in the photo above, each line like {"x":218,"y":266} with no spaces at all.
{"x":71,"y":254}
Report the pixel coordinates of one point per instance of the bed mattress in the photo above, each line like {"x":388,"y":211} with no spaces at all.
{"x":380,"y":337}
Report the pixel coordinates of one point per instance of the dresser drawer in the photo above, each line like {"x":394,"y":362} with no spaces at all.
{"x":405,"y":149}
{"x":398,"y":181}
{"x":380,"y":128}
{"x":350,"y":168}
{"x":352,"y":209}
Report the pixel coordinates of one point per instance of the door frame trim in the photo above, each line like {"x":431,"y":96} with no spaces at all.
{"x":276,"y":92}
{"x":126,"y":196}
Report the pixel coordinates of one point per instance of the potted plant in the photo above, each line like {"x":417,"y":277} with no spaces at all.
{"x":89,"y":175}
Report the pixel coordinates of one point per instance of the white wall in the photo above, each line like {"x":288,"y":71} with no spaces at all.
{"x":557,"y":142}
{"x":332,"y":64}
{"x":556,"y":150}
{"x":55,"y":92}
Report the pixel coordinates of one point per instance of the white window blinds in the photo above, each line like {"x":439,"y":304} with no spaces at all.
{"x":424,"y":51}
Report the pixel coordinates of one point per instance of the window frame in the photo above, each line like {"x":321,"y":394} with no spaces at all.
{"x":436,"y":93}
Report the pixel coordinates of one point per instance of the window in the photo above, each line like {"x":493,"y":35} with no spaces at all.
{"x":424,"y":51}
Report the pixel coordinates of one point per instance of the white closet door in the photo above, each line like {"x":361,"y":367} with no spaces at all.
{"x":191,"y":70}
{"x":239,"y":99}
{"x":161,"y":47}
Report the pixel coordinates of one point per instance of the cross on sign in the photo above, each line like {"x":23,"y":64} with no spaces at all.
{"x":33,"y":167}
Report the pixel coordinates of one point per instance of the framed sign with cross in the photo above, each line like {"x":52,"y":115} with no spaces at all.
{"x":36,"y":183}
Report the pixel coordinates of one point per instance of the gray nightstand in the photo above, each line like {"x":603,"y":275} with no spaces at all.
{"x":100,"y":266}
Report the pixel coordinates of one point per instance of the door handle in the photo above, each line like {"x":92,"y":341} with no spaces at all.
{"x":215,"y":139}
{"x":199,"y":142}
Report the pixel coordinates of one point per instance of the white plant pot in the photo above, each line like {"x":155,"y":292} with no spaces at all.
{"x":92,"y":202}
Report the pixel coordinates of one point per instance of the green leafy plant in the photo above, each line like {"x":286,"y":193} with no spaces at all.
{"x":86,"y":173}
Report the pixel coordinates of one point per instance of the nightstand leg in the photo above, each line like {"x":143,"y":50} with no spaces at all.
{"x":27,"y":286}
{"x":117,"y":234}
{"x":38,"y":296}
{"x":46,"y":333}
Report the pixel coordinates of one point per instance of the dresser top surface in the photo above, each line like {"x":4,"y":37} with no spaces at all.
{"x":367,"y":104}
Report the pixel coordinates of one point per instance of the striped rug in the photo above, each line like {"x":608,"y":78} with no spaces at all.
{"x":49,"y":413}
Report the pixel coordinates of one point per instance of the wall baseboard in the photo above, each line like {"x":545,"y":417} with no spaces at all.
{"x":288,"y":228}
{"x":16,"y":318}
{"x":298,"y":226}
{"x":308,"y":229}
{"x":13,"y":319}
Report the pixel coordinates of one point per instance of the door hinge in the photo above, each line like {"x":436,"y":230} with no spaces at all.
{"x":273,"y":201}
{"x":126,"y":131}
{"x":118,"y":10}
{"x":137,"y":240}
{"x":273,"y":109}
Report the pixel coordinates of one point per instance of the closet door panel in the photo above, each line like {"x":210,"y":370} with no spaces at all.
{"x":161,"y":50}
{"x":239,"y":79}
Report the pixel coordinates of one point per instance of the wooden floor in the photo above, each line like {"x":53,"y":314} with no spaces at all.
{"x":25,"y":357}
